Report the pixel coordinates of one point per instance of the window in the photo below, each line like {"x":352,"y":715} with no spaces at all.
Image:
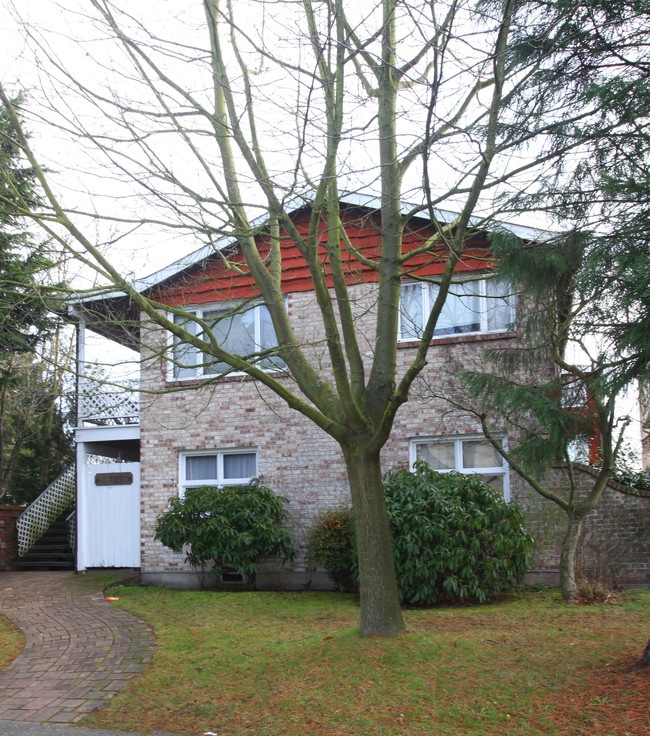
{"x":216,"y":468}
{"x":576,"y":398}
{"x":240,"y":332}
{"x":464,"y":455}
{"x":471,"y":306}
{"x":579,"y":450}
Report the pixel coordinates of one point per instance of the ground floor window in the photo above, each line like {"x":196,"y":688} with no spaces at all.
{"x":464,"y":455}
{"x":216,"y":468}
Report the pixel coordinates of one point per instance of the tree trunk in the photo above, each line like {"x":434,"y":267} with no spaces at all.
{"x":645,"y":657}
{"x":568,"y":584}
{"x":381,"y":614}
{"x":46,"y":443}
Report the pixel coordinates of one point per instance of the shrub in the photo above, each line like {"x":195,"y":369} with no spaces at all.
{"x":454,"y":537}
{"x":330,"y":545}
{"x":227,"y":528}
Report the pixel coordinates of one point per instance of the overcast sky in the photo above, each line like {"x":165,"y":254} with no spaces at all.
{"x":139,"y":254}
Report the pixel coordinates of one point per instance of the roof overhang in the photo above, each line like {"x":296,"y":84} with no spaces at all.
{"x":112,"y":314}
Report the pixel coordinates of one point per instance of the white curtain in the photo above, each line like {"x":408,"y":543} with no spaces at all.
{"x":439,"y":455}
{"x":201,"y":467}
{"x":234,"y":333}
{"x":185,"y":356}
{"x":411,"y":315}
{"x":500,"y":304}
{"x":480,"y":454}
{"x":239,"y":466}
{"x":461,"y":311}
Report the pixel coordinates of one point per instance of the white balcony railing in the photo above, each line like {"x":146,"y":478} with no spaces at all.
{"x":108,"y":404}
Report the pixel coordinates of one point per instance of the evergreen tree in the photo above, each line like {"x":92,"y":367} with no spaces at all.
{"x":24,"y":314}
{"x":34,"y":440}
{"x":602,"y":64}
{"x":35,"y":432}
{"x":557,"y":385}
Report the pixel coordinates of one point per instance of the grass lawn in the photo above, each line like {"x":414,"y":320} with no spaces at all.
{"x":12,"y":641}
{"x":283,"y":664}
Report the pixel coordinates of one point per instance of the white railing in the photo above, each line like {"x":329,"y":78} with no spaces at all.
{"x":105,"y":405}
{"x":45,"y":510}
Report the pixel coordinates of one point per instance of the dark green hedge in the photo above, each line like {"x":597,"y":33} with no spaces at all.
{"x":454,"y":538}
{"x":227,"y":528}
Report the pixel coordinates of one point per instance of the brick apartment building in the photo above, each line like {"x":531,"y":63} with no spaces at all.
{"x":233,"y":429}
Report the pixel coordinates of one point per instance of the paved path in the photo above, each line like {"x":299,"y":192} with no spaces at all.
{"x":79,"y":650}
{"x":18,"y":728}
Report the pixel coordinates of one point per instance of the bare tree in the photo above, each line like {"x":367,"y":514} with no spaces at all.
{"x":286,"y":103}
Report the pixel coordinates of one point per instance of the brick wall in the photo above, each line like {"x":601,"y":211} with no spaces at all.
{"x":8,"y":536}
{"x":301,"y":462}
{"x":615,"y":537}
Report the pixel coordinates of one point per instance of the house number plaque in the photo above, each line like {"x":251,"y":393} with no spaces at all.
{"x":114,"y":479}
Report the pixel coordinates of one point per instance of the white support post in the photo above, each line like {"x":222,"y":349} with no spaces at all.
{"x":82,"y":494}
{"x":81,"y":459}
{"x":81,"y":359}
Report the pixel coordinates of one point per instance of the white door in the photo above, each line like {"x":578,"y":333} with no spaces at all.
{"x":109,"y":518}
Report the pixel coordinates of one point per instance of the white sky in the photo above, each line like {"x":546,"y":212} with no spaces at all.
{"x":137,"y":254}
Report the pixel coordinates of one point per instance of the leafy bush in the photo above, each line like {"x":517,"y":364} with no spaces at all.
{"x":638,"y":481}
{"x":330,"y":545}
{"x":232,"y":527}
{"x":454,"y":537}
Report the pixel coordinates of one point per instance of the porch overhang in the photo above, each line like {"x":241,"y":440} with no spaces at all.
{"x":114,"y":317}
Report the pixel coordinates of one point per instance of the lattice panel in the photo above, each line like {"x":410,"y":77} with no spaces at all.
{"x":37,"y":518}
{"x":93,"y":459}
{"x":109,"y":405}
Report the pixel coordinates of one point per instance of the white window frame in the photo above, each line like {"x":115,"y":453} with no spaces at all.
{"x":483,"y":312}
{"x":199,"y":370}
{"x":220,"y":481}
{"x":503,"y":469}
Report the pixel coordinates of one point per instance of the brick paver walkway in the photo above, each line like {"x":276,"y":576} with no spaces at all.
{"x":79,"y":650}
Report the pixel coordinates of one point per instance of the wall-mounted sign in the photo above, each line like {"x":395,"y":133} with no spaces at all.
{"x":113,"y":479}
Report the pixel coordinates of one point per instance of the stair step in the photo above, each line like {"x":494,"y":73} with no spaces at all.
{"x":44,"y":566}
{"x":39,"y":552}
{"x":52,"y":540}
{"x":52,"y":551}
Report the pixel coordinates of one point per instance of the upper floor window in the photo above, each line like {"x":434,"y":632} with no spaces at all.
{"x":487,"y":305}
{"x":241,"y":332}
{"x":467,"y":455}
{"x":216,"y":468}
